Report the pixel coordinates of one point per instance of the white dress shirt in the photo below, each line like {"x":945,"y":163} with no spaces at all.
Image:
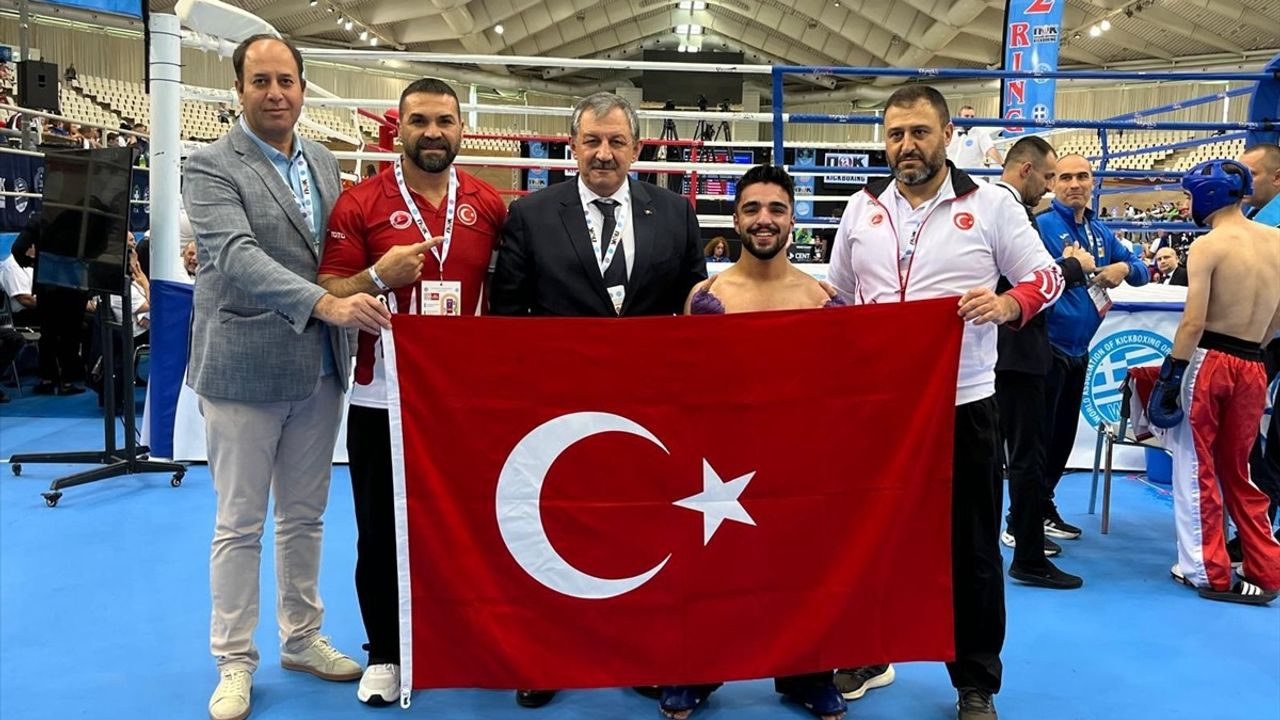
{"x":622,"y":213}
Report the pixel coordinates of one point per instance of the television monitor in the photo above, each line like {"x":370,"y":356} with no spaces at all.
{"x":84,"y":219}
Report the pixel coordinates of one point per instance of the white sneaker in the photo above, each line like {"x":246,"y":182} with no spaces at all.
{"x":322,"y":660}
{"x":380,"y":684}
{"x":230,"y":699}
{"x":1008,"y":539}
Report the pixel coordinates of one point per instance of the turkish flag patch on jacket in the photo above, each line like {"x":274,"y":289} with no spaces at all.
{"x":650,"y":501}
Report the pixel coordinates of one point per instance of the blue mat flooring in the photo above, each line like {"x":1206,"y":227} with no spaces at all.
{"x":104,"y":609}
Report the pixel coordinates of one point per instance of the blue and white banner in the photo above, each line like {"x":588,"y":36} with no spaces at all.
{"x":537,"y":178}
{"x":1032,"y":29}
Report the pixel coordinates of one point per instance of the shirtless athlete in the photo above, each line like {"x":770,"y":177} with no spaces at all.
{"x":1215,"y":378}
{"x":762,"y":279}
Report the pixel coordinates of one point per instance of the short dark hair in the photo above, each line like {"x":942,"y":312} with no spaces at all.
{"x":908,"y":95}
{"x":1030,"y":149}
{"x":431,"y":86}
{"x":237,"y":57}
{"x":1270,"y":154}
{"x":768,"y":174}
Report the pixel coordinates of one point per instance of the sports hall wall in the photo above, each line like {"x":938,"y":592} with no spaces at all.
{"x":118,"y":55}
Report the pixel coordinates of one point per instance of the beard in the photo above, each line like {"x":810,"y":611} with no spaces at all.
{"x":768,"y":253}
{"x":932,"y":165}
{"x":432,"y":163}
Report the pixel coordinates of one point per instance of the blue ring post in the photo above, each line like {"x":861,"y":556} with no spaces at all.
{"x":1265,"y":105}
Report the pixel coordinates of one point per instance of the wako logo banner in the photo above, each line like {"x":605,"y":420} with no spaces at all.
{"x":1031,"y":33}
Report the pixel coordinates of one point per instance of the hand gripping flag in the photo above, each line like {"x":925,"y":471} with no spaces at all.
{"x":601,"y":502}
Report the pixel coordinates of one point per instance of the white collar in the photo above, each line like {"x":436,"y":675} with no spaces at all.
{"x":945,"y":192}
{"x":622,"y":196}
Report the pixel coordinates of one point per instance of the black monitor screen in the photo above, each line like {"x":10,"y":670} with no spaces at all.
{"x":84,"y":219}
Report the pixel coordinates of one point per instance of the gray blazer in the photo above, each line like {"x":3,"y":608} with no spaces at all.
{"x":252,"y":335}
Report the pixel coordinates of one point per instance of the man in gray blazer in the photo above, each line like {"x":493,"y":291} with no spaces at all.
{"x":269,"y":360}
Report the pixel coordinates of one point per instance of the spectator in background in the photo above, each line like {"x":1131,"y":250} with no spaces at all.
{"x":16,"y":276}
{"x":70,"y":74}
{"x":1171,"y":271}
{"x":717,"y":250}
{"x":370,"y":170}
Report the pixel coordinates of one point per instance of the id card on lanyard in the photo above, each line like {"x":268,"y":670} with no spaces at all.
{"x":614,"y":241}
{"x":1099,"y":295}
{"x":304,"y":202}
{"x":435,"y":297}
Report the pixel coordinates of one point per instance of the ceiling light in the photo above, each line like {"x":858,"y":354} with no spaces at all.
{"x":328,"y":9}
{"x":695,"y":29}
{"x":1095,"y":31}
{"x":373,"y":40}
{"x":837,"y":3}
{"x":499,"y":29}
{"x":1105,"y":25}
{"x":364,"y":34}
{"x":340,"y":21}
{"x":315,"y":3}
{"x":349,"y":24}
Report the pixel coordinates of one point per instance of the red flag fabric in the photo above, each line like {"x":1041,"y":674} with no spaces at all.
{"x":603,"y":502}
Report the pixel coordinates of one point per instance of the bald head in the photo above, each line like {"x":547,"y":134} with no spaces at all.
{"x":1074,"y":184}
{"x":1263,"y":161}
{"x":1166,"y":260}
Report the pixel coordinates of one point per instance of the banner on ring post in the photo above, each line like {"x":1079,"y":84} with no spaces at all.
{"x":1032,"y":30}
{"x":592,"y":513}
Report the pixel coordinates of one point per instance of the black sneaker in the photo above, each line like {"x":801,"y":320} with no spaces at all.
{"x":1051,"y":548}
{"x":1055,"y":526}
{"x":853,"y":683}
{"x":975,"y":704}
{"x":1047,"y":576}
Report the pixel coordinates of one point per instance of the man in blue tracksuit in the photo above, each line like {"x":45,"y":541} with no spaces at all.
{"x":1076,"y":317}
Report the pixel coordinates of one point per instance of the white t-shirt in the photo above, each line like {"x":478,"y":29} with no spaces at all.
{"x":137,"y":297}
{"x":15,"y":280}
{"x":969,"y":149}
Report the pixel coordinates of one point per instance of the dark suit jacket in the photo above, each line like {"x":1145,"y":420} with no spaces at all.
{"x":1179,"y":277}
{"x":546,"y":265}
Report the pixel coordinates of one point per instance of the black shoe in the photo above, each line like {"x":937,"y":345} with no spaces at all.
{"x":853,"y":683}
{"x":45,"y":388}
{"x":1046,"y":576}
{"x":975,"y":704}
{"x":1051,"y":548}
{"x":1055,"y":526}
{"x":3,"y":398}
{"x":653,"y":692}
{"x":69,"y":389}
{"x":534,"y":698}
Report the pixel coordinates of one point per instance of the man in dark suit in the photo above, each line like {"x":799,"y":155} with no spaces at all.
{"x":1171,"y":272}
{"x":602,"y":246}
{"x":563,"y":254}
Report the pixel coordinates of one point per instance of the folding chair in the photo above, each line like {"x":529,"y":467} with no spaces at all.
{"x":1134,"y":389}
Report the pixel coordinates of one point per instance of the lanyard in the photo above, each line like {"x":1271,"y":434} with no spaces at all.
{"x":304,"y":202}
{"x":1092,"y":241}
{"x":614,"y":241}
{"x":441,"y":252}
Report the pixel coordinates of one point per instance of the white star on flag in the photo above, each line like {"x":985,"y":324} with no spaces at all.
{"x":718,"y":501}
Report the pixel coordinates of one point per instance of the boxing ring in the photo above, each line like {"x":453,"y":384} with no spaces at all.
{"x":169,"y":419}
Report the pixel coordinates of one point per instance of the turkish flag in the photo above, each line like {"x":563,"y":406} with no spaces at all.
{"x":648,"y":501}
